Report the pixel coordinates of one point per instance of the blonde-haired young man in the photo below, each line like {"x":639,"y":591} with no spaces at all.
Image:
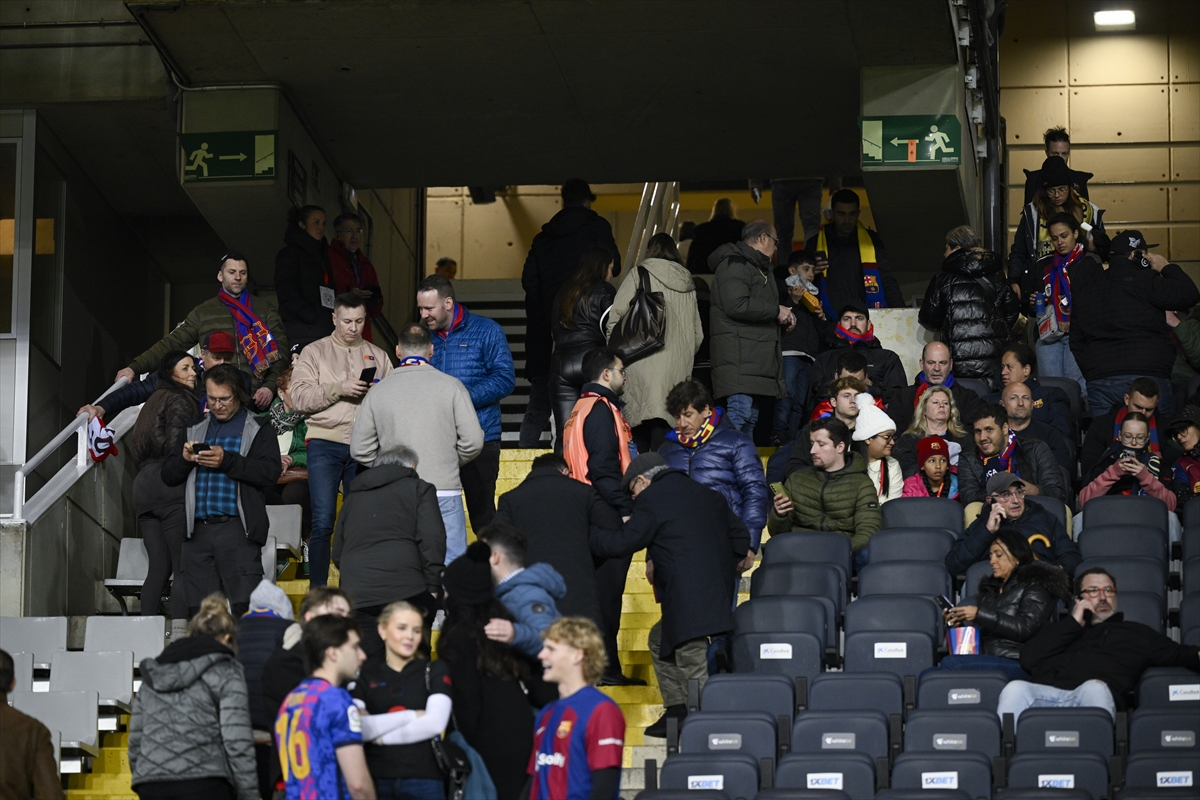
{"x":580,"y":737}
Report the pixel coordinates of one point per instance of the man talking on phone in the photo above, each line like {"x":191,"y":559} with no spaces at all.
{"x":1094,"y":657}
{"x":226,"y":461}
{"x":330,"y":377}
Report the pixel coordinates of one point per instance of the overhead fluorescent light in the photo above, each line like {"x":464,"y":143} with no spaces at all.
{"x":1115,"y":20}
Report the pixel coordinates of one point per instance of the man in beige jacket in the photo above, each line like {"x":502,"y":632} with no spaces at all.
{"x":330,"y":377}
{"x":431,"y":413}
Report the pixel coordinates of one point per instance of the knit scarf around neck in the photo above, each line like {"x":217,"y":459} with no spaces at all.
{"x":707,"y":429}
{"x":257,"y":343}
{"x":923,"y":384}
{"x":1005,"y":461}
{"x":1153,"y":424}
{"x":1058,"y":285}
{"x":855,"y":337}
{"x":282,"y":420}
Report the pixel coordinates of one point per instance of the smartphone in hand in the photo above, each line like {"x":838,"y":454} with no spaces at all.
{"x":776,"y":488}
{"x":200,"y":447}
{"x":944,"y":602}
{"x":367,"y":375}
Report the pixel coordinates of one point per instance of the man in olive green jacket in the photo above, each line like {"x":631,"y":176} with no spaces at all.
{"x":747,"y":363}
{"x":214,"y":315}
{"x":835,"y":495}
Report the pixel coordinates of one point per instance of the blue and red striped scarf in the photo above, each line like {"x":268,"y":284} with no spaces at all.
{"x":257,"y":343}
{"x":852,"y":336}
{"x":1058,"y":285}
{"x":456,"y":319}
{"x":923,"y":384}
{"x":1004,"y":461}
{"x":412,"y":361}
{"x":1153,"y":445}
{"x":701,"y":436}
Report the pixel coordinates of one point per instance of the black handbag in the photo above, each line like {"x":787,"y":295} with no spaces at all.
{"x":451,"y":759}
{"x":640,"y":332}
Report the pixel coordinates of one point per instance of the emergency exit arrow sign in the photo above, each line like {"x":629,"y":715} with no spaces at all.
{"x":238,"y":157}
{"x":933,"y":140}
{"x":225,"y":156}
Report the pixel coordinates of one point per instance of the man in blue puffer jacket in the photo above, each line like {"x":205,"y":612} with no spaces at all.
{"x":529,"y":593}
{"x":715,"y":454}
{"x":474,"y":350}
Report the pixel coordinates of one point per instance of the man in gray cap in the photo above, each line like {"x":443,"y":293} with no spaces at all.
{"x":693,"y":544}
{"x":1005,"y":506}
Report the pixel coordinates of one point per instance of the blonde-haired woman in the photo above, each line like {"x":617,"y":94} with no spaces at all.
{"x":189,"y":732}
{"x":407,"y":703}
{"x":936,"y":415}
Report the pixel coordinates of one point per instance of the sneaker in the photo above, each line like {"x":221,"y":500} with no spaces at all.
{"x":439,"y":619}
{"x":659,"y":729}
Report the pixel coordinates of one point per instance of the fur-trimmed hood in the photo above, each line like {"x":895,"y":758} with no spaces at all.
{"x":1049,"y":576}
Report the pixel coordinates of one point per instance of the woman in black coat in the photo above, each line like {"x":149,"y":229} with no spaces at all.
{"x":972,"y":305}
{"x":302,"y":271}
{"x":580,"y":313}
{"x":1013,"y":604}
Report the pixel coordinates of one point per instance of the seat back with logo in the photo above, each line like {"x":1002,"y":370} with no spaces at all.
{"x":900,"y":652}
{"x":841,"y":691}
{"x":791,"y":655}
{"x":850,"y":772}
{"x":1162,"y":771}
{"x":864,"y":731}
{"x":771,"y":694}
{"x":736,"y":774}
{"x":786,"y":614}
{"x":1169,"y":687}
{"x":968,"y":689}
{"x":944,"y":730}
{"x":1065,"y":730}
{"x":1173,"y":730}
{"x":969,"y":771}
{"x":720,"y":732}
{"x":1046,"y":770}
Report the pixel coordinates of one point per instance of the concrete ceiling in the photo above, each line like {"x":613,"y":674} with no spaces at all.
{"x":498,"y":92}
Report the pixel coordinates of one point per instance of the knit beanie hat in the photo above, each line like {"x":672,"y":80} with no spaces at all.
{"x":468,"y":578}
{"x":932,"y":446}
{"x":872,"y":420}
{"x":272,"y":598}
{"x":1055,"y":172}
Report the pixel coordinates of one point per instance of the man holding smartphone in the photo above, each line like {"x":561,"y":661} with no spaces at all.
{"x":330,"y":377}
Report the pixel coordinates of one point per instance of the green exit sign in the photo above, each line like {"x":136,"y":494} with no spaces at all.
{"x":228,"y":155}
{"x":911,"y":141}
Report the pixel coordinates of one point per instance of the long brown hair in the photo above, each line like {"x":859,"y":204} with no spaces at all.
{"x":591,"y":272}
{"x":1070,"y":206}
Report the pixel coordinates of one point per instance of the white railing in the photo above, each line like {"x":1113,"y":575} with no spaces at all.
{"x":657,"y":212}
{"x":78,"y":428}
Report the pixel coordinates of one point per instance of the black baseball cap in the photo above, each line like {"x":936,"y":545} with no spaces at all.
{"x":1001,"y":481}
{"x":1126,"y":242}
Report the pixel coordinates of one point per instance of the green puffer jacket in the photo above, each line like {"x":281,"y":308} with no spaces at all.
{"x":1187,"y":360}
{"x":213,"y":315}
{"x":744,"y":332}
{"x":842,"y":501}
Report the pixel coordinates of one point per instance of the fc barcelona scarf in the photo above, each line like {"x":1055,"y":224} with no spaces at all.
{"x":413,"y":361}
{"x":1153,"y":428}
{"x":1057,"y":285}
{"x":872,"y":286}
{"x":257,"y":343}
{"x":1003,"y":462}
{"x":707,"y":429}
{"x":853,"y":336}
{"x":923,"y":384}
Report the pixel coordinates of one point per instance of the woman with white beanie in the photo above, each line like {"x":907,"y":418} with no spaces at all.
{"x":877,"y":432}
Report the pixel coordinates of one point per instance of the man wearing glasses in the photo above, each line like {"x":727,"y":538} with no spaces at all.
{"x":1005,"y":505}
{"x":352,"y":272}
{"x":1093,"y":657}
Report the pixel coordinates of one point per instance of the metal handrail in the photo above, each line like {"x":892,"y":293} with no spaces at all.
{"x":77,"y":427}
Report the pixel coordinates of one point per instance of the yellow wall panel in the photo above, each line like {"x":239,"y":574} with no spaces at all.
{"x":1129,"y":203}
{"x":1185,"y":112}
{"x":1123,"y":164}
{"x":1154,"y":234}
{"x":1185,"y":55}
{"x":1109,"y":60}
{"x":1185,"y":202}
{"x":1016,"y":200}
{"x":1029,"y":112}
{"x":1103,"y":114}
{"x":1028,"y":61}
{"x":1185,"y":163}
{"x":1185,"y":243}
{"x":1019,"y":160}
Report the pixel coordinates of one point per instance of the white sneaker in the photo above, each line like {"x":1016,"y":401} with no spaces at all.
{"x":439,"y":619}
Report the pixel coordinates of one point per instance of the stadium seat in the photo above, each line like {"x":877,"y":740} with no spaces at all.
{"x":911,"y":544}
{"x":143,"y":636}
{"x":1169,"y":687}
{"x":1191,"y":575}
{"x":132,"y":565}
{"x":108,"y":673}
{"x":23,"y":671}
{"x":850,"y":772}
{"x":883,"y":612}
{"x":1143,"y":607}
{"x":42,"y":636}
{"x":1050,"y":770}
{"x":816,"y":580}
{"x":840,"y":691}
{"x":800,"y":794}
{"x":1189,"y":617}
{"x":900,"y":652}
{"x":919,"y":794}
{"x":818,"y":547}
{"x":975,"y":573}
{"x":969,"y":771}
{"x":269,"y":559}
{"x":941,"y":730}
{"x":1162,"y":770}
{"x":905,"y":577}
{"x":736,"y":774}
{"x":1152,"y":793}
{"x":815,"y":615}
{"x":284,"y":523}
{"x":782,"y":635}
{"x":1124,"y":541}
{"x":772,"y":694}
{"x":865,"y":731}
{"x":1130,"y":574}
{"x":1191,"y":529}
{"x":680,"y":794}
{"x":1171,"y":730}
{"x":1044,"y":794}
{"x":791,"y":655}
{"x":1056,"y":507}
{"x":72,"y":714}
{"x":1065,"y":731}
{"x":967,"y":689}
{"x":923,"y":512}
{"x":1119,"y":509}
{"x":979,"y":387}
{"x":720,"y":732}
{"x":1071,"y":389}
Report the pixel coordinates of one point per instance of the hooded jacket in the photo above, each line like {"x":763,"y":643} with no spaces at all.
{"x":531,"y":596}
{"x":301,"y":269}
{"x":552,"y":260}
{"x":974,"y":308}
{"x":842,"y":501}
{"x":1011,"y":612}
{"x":390,"y":541}
{"x":649,"y":379}
{"x":191,"y":718}
{"x":744,"y":348}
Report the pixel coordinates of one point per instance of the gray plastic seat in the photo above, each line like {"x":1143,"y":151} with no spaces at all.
{"x":23,"y":671}
{"x":143,"y":636}
{"x":1162,"y":770}
{"x":842,"y":691}
{"x":771,"y":694}
{"x":900,"y":652}
{"x":268,"y":559}
{"x":108,"y":673}
{"x":911,"y":544}
{"x":925,"y":578}
{"x":42,"y":636}
{"x":975,"y":573}
{"x":815,"y":580}
{"x":902,"y":612}
{"x":935,"y":771}
{"x":1164,"y":729}
{"x":950,"y":730}
{"x":133,"y":563}
{"x":820,"y":547}
{"x":1131,"y":574}
{"x":284,"y":523}
{"x":736,"y":774}
{"x":966,"y":689}
{"x":72,"y":714}
{"x":865,"y":731}
{"x":720,"y":732}
{"x":1145,"y":608}
{"x":1050,"y":770}
{"x":849,"y":771}
{"x":1169,"y":687}
{"x":923,"y":512}
{"x":1124,"y":541}
{"x":1065,"y":731}
{"x":1121,"y":509}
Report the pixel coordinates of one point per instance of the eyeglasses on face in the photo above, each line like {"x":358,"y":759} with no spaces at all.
{"x":1016,"y":492}
{"x":1134,"y":438}
{"x":219,"y":401}
{"x":1093,"y":591}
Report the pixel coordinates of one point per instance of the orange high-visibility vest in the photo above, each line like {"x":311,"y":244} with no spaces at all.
{"x":575,"y":451}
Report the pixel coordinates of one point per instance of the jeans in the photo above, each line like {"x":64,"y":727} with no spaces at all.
{"x":409,"y":789}
{"x":1057,"y":361}
{"x":789,"y":411}
{"x":1105,"y":394}
{"x":1009,"y":666}
{"x":742,"y":411}
{"x":537,"y":413}
{"x":329,"y":466}
{"x":862,"y":558}
{"x":785,"y":196}
{"x":1020,"y":695}
{"x":455,"y":520}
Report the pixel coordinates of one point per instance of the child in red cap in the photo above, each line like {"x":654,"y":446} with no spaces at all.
{"x":934,"y":478}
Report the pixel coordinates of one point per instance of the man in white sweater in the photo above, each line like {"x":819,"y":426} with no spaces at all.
{"x":431,"y":413}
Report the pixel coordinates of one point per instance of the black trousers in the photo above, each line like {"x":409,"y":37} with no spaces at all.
{"x":610,"y":587}
{"x":479,"y":485}
{"x":163,"y":522}
{"x":219,"y":558}
{"x":196,"y":789}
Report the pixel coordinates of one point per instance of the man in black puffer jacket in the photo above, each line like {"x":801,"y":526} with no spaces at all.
{"x":973,"y":307}
{"x":304,"y":278}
